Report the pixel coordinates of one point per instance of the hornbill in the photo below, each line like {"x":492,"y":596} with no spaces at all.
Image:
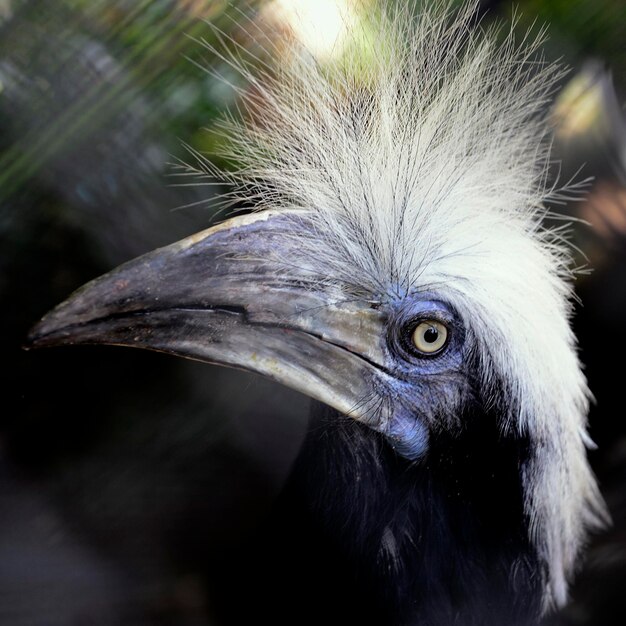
{"x":397,"y":269}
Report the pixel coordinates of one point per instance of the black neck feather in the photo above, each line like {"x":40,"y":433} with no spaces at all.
{"x":362,"y":536}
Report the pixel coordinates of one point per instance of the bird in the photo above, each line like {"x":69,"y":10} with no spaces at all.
{"x":397,"y":268}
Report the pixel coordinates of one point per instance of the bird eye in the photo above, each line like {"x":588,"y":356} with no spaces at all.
{"x":429,"y":336}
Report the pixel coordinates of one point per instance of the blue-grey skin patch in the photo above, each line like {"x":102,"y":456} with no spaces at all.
{"x":408,"y":437}
{"x":425,"y":386}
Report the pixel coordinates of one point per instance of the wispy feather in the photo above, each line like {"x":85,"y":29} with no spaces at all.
{"x":420,"y":156}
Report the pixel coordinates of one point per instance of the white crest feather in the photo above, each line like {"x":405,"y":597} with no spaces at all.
{"x":423,"y":168}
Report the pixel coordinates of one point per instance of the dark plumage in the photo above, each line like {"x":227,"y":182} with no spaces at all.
{"x":361,"y":535}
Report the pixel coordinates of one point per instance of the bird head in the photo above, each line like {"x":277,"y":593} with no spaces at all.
{"x":396,"y":267}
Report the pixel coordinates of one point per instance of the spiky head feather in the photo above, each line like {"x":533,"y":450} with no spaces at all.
{"x":424,"y":169}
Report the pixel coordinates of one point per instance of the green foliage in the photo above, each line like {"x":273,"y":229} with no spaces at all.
{"x":583,"y":28}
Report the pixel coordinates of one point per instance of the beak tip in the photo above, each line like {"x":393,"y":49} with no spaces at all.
{"x":51,"y":330}
{"x":38,"y":339}
{"x":35,"y":337}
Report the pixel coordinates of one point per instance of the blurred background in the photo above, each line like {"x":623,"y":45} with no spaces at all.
{"x":128,"y":479}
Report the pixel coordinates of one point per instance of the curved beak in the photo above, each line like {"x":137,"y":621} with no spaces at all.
{"x":238,"y":295}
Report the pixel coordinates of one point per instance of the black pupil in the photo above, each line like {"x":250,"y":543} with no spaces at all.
{"x":431,"y":335}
